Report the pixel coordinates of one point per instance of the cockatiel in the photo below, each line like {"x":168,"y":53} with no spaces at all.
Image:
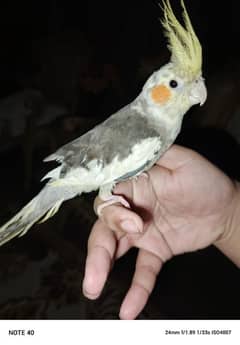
{"x":130,"y":141}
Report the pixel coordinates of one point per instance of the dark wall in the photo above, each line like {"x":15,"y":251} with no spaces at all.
{"x":119,"y":31}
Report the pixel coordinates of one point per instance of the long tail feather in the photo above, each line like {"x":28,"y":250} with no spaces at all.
{"x":39,"y":209}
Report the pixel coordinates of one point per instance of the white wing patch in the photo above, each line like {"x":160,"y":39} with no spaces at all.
{"x":96,"y":175}
{"x":141,"y":153}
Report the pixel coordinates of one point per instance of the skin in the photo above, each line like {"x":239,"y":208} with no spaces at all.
{"x":182,"y":204}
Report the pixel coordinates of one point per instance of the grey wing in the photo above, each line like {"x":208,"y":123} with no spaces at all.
{"x":115,"y":137}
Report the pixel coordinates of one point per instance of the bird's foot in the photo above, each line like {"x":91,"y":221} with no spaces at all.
{"x":143,"y":174}
{"x":113,"y":199}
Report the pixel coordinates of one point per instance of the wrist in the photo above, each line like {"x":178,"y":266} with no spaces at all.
{"x":229,"y":241}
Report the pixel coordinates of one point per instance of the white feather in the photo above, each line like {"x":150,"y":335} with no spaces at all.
{"x":95,"y":175}
{"x":53,"y":174}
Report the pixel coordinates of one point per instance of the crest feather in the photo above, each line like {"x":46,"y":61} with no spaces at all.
{"x":183,"y":43}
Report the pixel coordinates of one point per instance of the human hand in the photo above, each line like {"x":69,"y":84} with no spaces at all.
{"x":184,"y":203}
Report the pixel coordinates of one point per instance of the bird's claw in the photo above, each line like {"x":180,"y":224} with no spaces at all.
{"x":110,"y":201}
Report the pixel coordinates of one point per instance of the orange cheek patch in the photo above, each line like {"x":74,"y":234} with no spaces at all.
{"x":160,"y":94}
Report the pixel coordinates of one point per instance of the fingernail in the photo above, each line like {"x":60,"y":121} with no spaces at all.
{"x":129,"y":226}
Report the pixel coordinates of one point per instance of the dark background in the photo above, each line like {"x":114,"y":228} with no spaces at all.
{"x":89,"y":58}
{"x":104,"y":32}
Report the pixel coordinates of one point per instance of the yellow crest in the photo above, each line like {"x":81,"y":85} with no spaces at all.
{"x":183,"y":43}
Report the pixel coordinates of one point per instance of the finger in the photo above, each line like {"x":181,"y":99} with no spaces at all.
{"x":176,"y":157}
{"x":147,"y":268}
{"x":119,"y":218}
{"x":101,"y":250}
{"x":124,"y":244}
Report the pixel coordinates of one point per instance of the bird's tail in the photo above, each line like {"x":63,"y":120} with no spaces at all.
{"x":39,"y":209}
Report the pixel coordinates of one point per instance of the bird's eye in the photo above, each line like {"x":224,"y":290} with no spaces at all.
{"x":173,"y":83}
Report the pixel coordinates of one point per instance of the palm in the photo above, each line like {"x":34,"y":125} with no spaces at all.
{"x":182,"y":205}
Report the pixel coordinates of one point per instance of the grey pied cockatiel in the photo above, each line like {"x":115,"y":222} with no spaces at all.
{"x":130,"y":141}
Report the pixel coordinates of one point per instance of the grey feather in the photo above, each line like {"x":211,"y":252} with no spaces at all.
{"x":115,"y":136}
{"x":45,"y":204}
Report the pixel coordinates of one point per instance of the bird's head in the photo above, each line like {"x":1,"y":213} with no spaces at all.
{"x":178,"y":85}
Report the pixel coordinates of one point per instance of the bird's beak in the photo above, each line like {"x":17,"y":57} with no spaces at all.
{"x":198,"y":92}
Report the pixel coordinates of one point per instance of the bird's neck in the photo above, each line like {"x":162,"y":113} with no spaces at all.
{"x":159,"y":118}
